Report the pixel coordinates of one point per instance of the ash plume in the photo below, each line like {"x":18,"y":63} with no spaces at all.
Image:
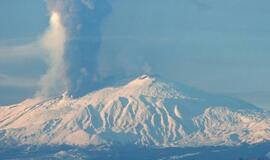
{"x":82,"y":21}
{"x":55,"y":81}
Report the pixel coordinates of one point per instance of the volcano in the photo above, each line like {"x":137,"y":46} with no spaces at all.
{"x":146,"y":111}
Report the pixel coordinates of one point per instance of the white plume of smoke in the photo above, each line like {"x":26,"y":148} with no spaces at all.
{"x":82,"y":20}
{"x":55,"y":81}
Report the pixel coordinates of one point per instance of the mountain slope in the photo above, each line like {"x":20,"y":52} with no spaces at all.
{"x":145,"y":111}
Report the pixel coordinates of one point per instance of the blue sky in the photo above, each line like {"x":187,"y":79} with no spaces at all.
{"x":218,"y":46}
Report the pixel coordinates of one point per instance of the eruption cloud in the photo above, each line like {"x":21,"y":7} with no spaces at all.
{"x":74,"y":45}
{"x":55,"y":81}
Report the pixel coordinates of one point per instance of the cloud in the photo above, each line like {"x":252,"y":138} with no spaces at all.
{"x":55,"y":81}
{"x":82,"y":21}
{"x":50,"y":49}
{"x":12,"y":52}
{"x":71,"y":59}
{"x":19,"y":82}
{"x":71,"y":48}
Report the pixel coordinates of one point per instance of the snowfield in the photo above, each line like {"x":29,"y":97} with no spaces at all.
{"x":146,"y":111}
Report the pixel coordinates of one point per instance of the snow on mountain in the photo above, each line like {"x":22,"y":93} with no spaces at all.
{"x":146,"y":111}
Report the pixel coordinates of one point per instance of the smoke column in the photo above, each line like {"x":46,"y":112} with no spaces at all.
{"x":55,"y":81}
{"x":82,"y":21}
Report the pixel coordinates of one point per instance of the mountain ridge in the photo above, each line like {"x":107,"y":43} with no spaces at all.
{"x":145,"y":111}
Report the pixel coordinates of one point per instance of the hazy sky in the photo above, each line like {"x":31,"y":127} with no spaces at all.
{"x":218,"y":46}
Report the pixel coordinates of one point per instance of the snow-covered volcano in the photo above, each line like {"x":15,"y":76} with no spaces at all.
{"x":145,"y":111}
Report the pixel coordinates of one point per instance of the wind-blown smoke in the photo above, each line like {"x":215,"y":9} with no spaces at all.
{"x":82,"y":21}
{"x":55,"y":81}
